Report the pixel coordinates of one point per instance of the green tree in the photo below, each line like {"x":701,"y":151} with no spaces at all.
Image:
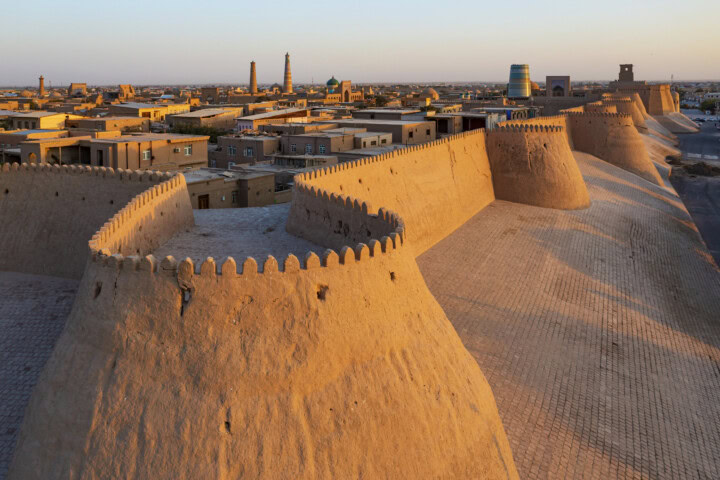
{"x":709,"y":105}
{"x":381,"y":101}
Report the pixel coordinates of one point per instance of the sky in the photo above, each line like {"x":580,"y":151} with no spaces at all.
{"x":182,"y":42}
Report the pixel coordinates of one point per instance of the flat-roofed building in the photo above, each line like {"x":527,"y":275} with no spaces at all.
{"x":165,"y":152}
{"x":404,"y":132}
{"x":14,"y":138}
{"x":304,"y":161}
{"x":154,"y":111}
{"x":121,"y":124}
{"x":70,"y":107}
{"x":372,"y":139}
{"x":253,"y":122}
{"x":240,"y":149}
{"x":389,"y":114}
{"x":219,"y":188}
{"x":446,"y":123}
{"x":296,"y":128}
{"x":39,"y":120}
{"x":10,"y":141}
{"x":452,"y":123}
{"x":220,"y":118}
{"x":317,"y":143}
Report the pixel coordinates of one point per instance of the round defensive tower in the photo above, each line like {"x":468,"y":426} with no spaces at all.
{"x":519,"y":85}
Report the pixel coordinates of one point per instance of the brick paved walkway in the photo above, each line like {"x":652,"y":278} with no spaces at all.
{"x":598,"y":330}
{"x":33,"y":310}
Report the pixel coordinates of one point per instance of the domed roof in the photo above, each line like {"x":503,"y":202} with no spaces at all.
{"x":26,"y":93}
{"x":534,"y":86}
{"x":56,"y":94}
{"x":332,"y":82}
{"x":431,"y":92}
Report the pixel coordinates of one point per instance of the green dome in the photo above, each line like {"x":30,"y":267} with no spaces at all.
{"x":332,"y":82}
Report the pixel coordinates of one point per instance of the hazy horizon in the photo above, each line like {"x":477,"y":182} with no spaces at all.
{"x":187,"y":43}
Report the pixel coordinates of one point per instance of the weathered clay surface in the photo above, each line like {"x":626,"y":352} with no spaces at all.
{"x":534,"y":165}
{"x":435,"y":188}
{"x":339,"y":367}
{"x":62,"y":208}
{"x":336,"y":372}
{"x":676,"y":123}
{"x":626,"y":105}
{"x":614,"y":138}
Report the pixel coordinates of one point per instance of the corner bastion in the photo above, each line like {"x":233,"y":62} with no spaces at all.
{"x":533,"y":164}
{"x":609,"y":136}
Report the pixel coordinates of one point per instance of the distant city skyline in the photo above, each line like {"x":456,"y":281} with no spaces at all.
{"x":155,"y":43}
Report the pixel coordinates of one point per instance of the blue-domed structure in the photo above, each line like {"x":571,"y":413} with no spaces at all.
{"x":332,"y":84}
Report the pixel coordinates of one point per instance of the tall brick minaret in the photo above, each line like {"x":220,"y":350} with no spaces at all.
{"x":287,"y":84}
{"x":253,"y":79}
{"x":41,"y":90}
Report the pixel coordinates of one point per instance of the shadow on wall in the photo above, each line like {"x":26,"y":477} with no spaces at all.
{"x":64,"y":207}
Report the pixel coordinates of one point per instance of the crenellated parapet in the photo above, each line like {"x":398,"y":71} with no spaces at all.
{"x":150,"y":219}
{"x":432,"y":188}
{"x":528,"y":129}
{"x":626,"y":105}
{"x":65,"y":205}
{"x":229,"y":268}
{"x":600,"y":107}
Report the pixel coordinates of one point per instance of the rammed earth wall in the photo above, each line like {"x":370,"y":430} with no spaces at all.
{"x":434,"y":188}
{"x":48,"y":213}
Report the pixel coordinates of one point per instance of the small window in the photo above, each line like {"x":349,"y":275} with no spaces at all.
{"x":373,"y":142}
{"x":383,"y":141}
{"x":427,"y":132}
{"x":231,"y":150}
{"x":321,"y":149}
{"x":146,"y":155}
{"x":293,"y":147}
{"x":188,"y":150}
{"x":410,"y":134}
{"x":249,"y":151}
{"x":235,"y":195}
{"x":230,"y":164}
{"x":213,"y":163}
{"x":308,"y":148}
